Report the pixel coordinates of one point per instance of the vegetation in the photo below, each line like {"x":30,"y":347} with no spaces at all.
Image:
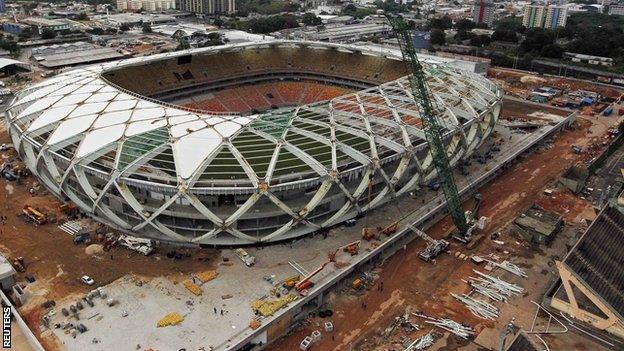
{"x":265,"y":7}
{"x":390,"y":6}
{"x":9,"y":45}
{"x":596,"y":34}
{"x":147,"y":28}
{"x":82,"y":17}
{"x":352,"y":10}
{"x":443,"y":23}
{"x":310,"y":19}
{"x":268,"y":24}
{"x":213,"y":39}
{"x":48,"y":34}
{"x":438,"y":37}
{"x":182,"y":45}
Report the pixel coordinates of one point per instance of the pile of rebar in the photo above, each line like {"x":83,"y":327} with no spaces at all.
{"x":478,"y":308}
{"x":493,"y":287}
{"x":509,"y":267}
{"x":463,"y":331}
{"x":421,"y":343}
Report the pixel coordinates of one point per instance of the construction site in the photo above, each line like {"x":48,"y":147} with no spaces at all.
{"x":390,"y":204}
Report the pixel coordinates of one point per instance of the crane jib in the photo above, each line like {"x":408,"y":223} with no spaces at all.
{"x":430,"y":114}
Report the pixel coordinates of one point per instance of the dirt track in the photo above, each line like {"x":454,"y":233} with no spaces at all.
{"x":408,"y":281}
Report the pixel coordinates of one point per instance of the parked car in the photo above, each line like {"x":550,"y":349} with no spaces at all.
{"x":87,"y":280}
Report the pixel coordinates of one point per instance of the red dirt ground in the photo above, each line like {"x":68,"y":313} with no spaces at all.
{"x":409,"y":281}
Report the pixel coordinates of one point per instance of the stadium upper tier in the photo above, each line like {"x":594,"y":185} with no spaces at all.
{"x":92,"y":135}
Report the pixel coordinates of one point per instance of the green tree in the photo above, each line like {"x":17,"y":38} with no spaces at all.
{"x":124,"y":27}
{"x":82,"y":17}
{"x":213,"y":39}
{"x":536,"y":39}
{"x":505,"y":35}
{"x":147,"y":28}
{"x":512,"y":23}
{"x":438,"y":37}
{"x":390,"y":6}
{"x":48,"y":34}
{"x":480,"y":41}
{"x":26,"y":33}
{"x":182,"y":45}
{"x":96,"y":31}
{"x":465,"y":25}
{"x":352,"y":10}
{"x":310,"y":19}
{"x":444,"y":22}
{"x":552,"y":50}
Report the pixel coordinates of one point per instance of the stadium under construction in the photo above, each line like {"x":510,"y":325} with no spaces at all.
{"x":246,"y":143}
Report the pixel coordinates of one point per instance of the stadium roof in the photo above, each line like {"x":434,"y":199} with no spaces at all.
{"x":95,"y":142}
{"x":79,"y":106}
{"x":4,"y":62}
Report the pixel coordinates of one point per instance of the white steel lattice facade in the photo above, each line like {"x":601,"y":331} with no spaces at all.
{"x":181,"y":175}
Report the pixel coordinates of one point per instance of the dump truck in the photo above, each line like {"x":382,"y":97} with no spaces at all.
{"x":247,"y":259}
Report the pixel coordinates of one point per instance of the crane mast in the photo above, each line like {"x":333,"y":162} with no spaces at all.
{"x":429,"y":114}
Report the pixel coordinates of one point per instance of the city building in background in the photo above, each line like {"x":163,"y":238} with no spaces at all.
{"x":617,"y":10}
{"x":483,"y":12}
{"x":147,"y":5}
{"x":422,"y":40}
{"x":207,"y":6}
{"x":533,"y":16}
{"x":542,"y":16}
{"x":556,"y":16}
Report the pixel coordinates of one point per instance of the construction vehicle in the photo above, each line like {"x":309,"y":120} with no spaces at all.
{"x":429,"y":113}
{"x":19,"y":264}
{"x":34,"y":215}
{"x":369,"y":234}
{"x":6,"y":171}
{"x":306,"y":283}
{"x":352,"y":248}
{"x":290,"y":282}
{"x":357,"y":283}
{"x":434,"y":247}
{"x":248,"y":259}
{"x":83,"y":237}
{"x":69,"y":209}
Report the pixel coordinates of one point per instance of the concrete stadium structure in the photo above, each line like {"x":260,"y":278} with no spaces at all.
{"x":112,"y":139}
